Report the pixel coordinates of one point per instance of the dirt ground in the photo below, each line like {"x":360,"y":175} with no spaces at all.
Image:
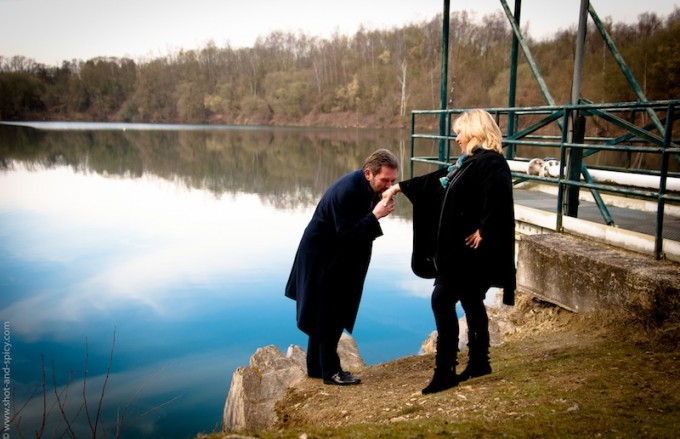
{"x":555,"y":374}
{"x":554,"y":362}
{"x":391,"y":392}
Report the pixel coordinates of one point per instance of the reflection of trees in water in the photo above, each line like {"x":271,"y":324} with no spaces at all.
{"x":288,"y":167}
{"x":250,"y":159}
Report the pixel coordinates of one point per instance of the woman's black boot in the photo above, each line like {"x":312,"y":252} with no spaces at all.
{"x":444,"y":378}
{"x":476,"y":368}
{"x":478,"y":362}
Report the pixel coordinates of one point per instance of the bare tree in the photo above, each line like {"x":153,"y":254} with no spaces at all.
{"x":402,"y":81}
{"x":64,"y":424}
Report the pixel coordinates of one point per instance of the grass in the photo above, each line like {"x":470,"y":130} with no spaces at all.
{"x":559,"y":375}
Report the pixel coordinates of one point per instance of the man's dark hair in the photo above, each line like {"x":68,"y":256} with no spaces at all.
{"x":380,"y":158}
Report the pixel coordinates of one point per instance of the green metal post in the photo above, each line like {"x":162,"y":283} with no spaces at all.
{"x":578,"y":58}
{"x":658,"y":244}
{"x":561,"y":187}
{"x":510,"y":149}
{"x":577,"y":135}
{"x":413,"y":142}
{"x":574,"y":163}
{"x":444,"y":82}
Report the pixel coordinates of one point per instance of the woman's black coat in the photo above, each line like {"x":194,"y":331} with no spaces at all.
{"x":479,"y":196}
{"x":331,"y":262}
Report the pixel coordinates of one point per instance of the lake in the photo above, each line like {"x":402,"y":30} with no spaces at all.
{"x":147,"y":262}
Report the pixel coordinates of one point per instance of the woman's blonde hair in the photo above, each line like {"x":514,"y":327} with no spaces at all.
{"x":480,"y":129}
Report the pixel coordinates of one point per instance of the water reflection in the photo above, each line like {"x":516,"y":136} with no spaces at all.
{"x":287,"y":167}
{"x":136,"y":238}
{"x":180,"y":242}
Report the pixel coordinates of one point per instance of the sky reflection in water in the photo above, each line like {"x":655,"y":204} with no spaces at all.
{"x":191,"y":283}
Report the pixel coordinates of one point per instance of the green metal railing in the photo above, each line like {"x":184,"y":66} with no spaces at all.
{"x":636,"y":129}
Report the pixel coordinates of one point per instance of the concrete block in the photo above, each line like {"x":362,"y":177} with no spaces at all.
{"x":582,"y":275}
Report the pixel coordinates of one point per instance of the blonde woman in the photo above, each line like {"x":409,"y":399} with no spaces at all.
{"x":464,"y":231}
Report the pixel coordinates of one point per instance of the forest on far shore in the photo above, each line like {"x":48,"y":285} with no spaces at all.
{"x":373,"y":78}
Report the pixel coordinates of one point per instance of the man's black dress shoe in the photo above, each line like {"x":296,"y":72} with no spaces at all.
{"x":342,"y":378}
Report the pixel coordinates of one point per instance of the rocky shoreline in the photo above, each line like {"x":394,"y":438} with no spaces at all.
{"x":556,"y":373}
{"x":256,"y":388}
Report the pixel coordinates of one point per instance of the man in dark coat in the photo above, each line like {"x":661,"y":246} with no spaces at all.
{"x":330,"y":266}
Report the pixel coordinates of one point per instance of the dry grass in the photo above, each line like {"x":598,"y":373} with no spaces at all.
{"x":557,"y":375}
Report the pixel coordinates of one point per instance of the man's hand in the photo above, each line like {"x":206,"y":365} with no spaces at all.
{"x":384,"y":207}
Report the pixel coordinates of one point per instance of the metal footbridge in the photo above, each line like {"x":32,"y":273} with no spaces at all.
{"x":620,"y":186}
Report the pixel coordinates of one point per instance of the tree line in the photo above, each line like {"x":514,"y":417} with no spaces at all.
{"x":372,"y":78}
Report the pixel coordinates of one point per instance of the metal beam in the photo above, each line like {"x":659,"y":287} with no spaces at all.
{"x":578,"y":58}
{"x":512,"y":92}
{"x":527,"y":54}
{"x":658,"y":245}
{"x":624,"y":67}
{"x":443,"y":86}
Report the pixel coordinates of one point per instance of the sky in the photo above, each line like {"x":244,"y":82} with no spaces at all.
{"x":51,"y":31}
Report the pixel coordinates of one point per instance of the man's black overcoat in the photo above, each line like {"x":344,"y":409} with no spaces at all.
{"x":478,"y":197}
{"x":331,"y":262}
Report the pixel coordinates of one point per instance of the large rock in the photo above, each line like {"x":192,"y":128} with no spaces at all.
{"x":255,"y":389}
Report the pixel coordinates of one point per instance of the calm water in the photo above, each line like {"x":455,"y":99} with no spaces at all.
{"x":177,"y":241}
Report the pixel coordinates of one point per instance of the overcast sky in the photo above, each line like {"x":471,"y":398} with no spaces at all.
{"x":50,"y":31}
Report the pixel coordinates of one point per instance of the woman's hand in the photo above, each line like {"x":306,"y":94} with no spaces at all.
{"x":389,"y":193}
{"x":474,"y":240}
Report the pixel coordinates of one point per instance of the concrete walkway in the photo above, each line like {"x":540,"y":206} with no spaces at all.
{"x":624,"y":218}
